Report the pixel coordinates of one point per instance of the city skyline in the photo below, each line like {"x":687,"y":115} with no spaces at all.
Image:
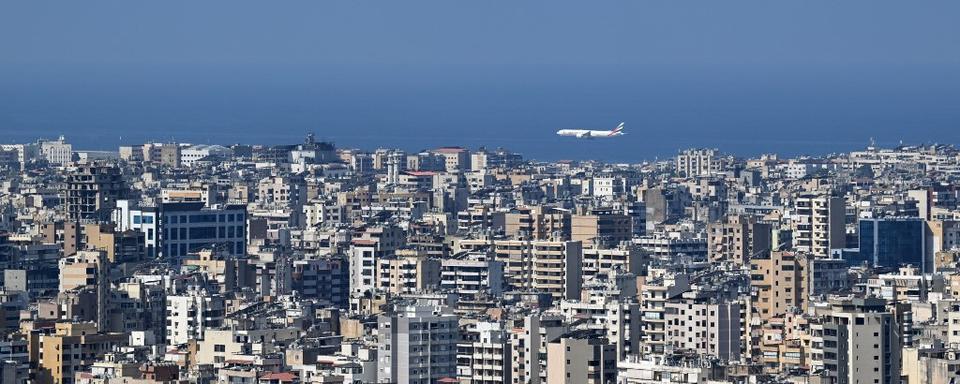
{"x":480,"y":192}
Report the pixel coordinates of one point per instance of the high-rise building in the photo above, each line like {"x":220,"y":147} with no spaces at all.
{"x":166,"y":154}
{"x":698,"y":162}
{"x":190,"y":314}
{"x":861,"y":342}
{"x":92,"y":191}
{"x":700,"y":324}
{"x":601,"y":226}
{"x":618,"y":319}
{"x":528,"y":346}
{"x":891,"y":242}
{"x":738,"y":238}
{"x":189,"y":227}
{"x":471,"y":275}
{"x":818,"y":224}
{"x":553,"y":267}
{"x":72,"y":347}
{"x":776,"y":283}
{"x":130,"y":216}
{"x":405,"y":273}
{"x":456,"y":159}
{"x":483,"y":354}
{"x":582,"y":356}
{"x":417,"y":344}
{"x":538,"y":223}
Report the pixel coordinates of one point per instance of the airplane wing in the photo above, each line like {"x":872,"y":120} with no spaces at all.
{"x":583,"y":135}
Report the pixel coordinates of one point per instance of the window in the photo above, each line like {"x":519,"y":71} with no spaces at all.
{"x":219,"y":348}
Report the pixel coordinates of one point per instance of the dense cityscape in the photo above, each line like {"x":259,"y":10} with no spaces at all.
{"x":308,"y":263}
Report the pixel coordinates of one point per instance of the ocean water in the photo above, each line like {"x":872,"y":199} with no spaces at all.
{"x":742,"y":112}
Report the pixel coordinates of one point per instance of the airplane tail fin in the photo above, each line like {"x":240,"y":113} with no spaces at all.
{"x":618,"y":129}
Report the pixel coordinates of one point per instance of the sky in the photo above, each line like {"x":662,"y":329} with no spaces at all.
{"x":746,"y":77}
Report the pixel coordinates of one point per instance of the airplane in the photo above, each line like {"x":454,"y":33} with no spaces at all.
{"x":590,"y":134}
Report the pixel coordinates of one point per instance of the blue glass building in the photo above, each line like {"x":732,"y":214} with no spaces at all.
{"x":891,"y":242}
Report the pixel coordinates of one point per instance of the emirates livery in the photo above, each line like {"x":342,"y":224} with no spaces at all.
{"x":590,"y":134}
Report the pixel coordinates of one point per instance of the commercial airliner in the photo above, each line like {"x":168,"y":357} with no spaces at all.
{"x":590,"y":134}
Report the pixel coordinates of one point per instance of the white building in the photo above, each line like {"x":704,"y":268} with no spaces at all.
{"x":472,"y":275}
{"x":704,"y":326}
{"x":818,"y":223}
{"x":190,"y":314}
{"x":698,"y":162}
{"x":129,"y":216}
{"x":620,"y":320}
{"x":56,"y":151}
{"x":194,"y":153}
{"x":484,"y":354}
{"x":417,"y":344}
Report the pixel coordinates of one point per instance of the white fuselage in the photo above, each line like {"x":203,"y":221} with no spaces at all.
{"x":588,"y":133}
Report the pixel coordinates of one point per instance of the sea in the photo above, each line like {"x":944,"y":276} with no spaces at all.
{"x":745,"y":113}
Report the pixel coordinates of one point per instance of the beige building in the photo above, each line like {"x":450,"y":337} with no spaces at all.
{"x":553,"y":267}
{"x":538,"y":223}
{"x":818,"y":223}
{"x":528,"y":345}
{"x":455,"y":159}
{"x":861,"y":342}
{"x":930,"y":365}
{"x":738,"y":238}
{"x":408,"y":273}
{"x":119,"y":246}
{"x":777,"y":285}
{"x":220,"y":345}
{"x":941,"y":237}
{"x":72,"y":348}
{"x":601,"y":226}
{"x":167,"y":154}
{"x":581,"y":357}
{"x":81,"y":269}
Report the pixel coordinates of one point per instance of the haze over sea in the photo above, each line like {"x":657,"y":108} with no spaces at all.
{"x":804,"y":79}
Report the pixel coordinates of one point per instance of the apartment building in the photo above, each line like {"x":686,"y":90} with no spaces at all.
{"x":417,"y":344}
{"x":191,"y":314}
{"x":818,"y":223}
{"x":92,"y":190}
{"x":472,"y":275}
{"x":582,"y":356}
{"x":698,"y":162}
{"x":601,"y":226}
{"x":618,"y":319}
{"x":71,"y":348}
{"x":538,"y":223}
{"x":738,"y":238}
{"x":528,"y":346}
{"x":483,"y":355}
{"x":861,"y":342}
{"x":703,"y":325}
{"x":408,"y":272}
